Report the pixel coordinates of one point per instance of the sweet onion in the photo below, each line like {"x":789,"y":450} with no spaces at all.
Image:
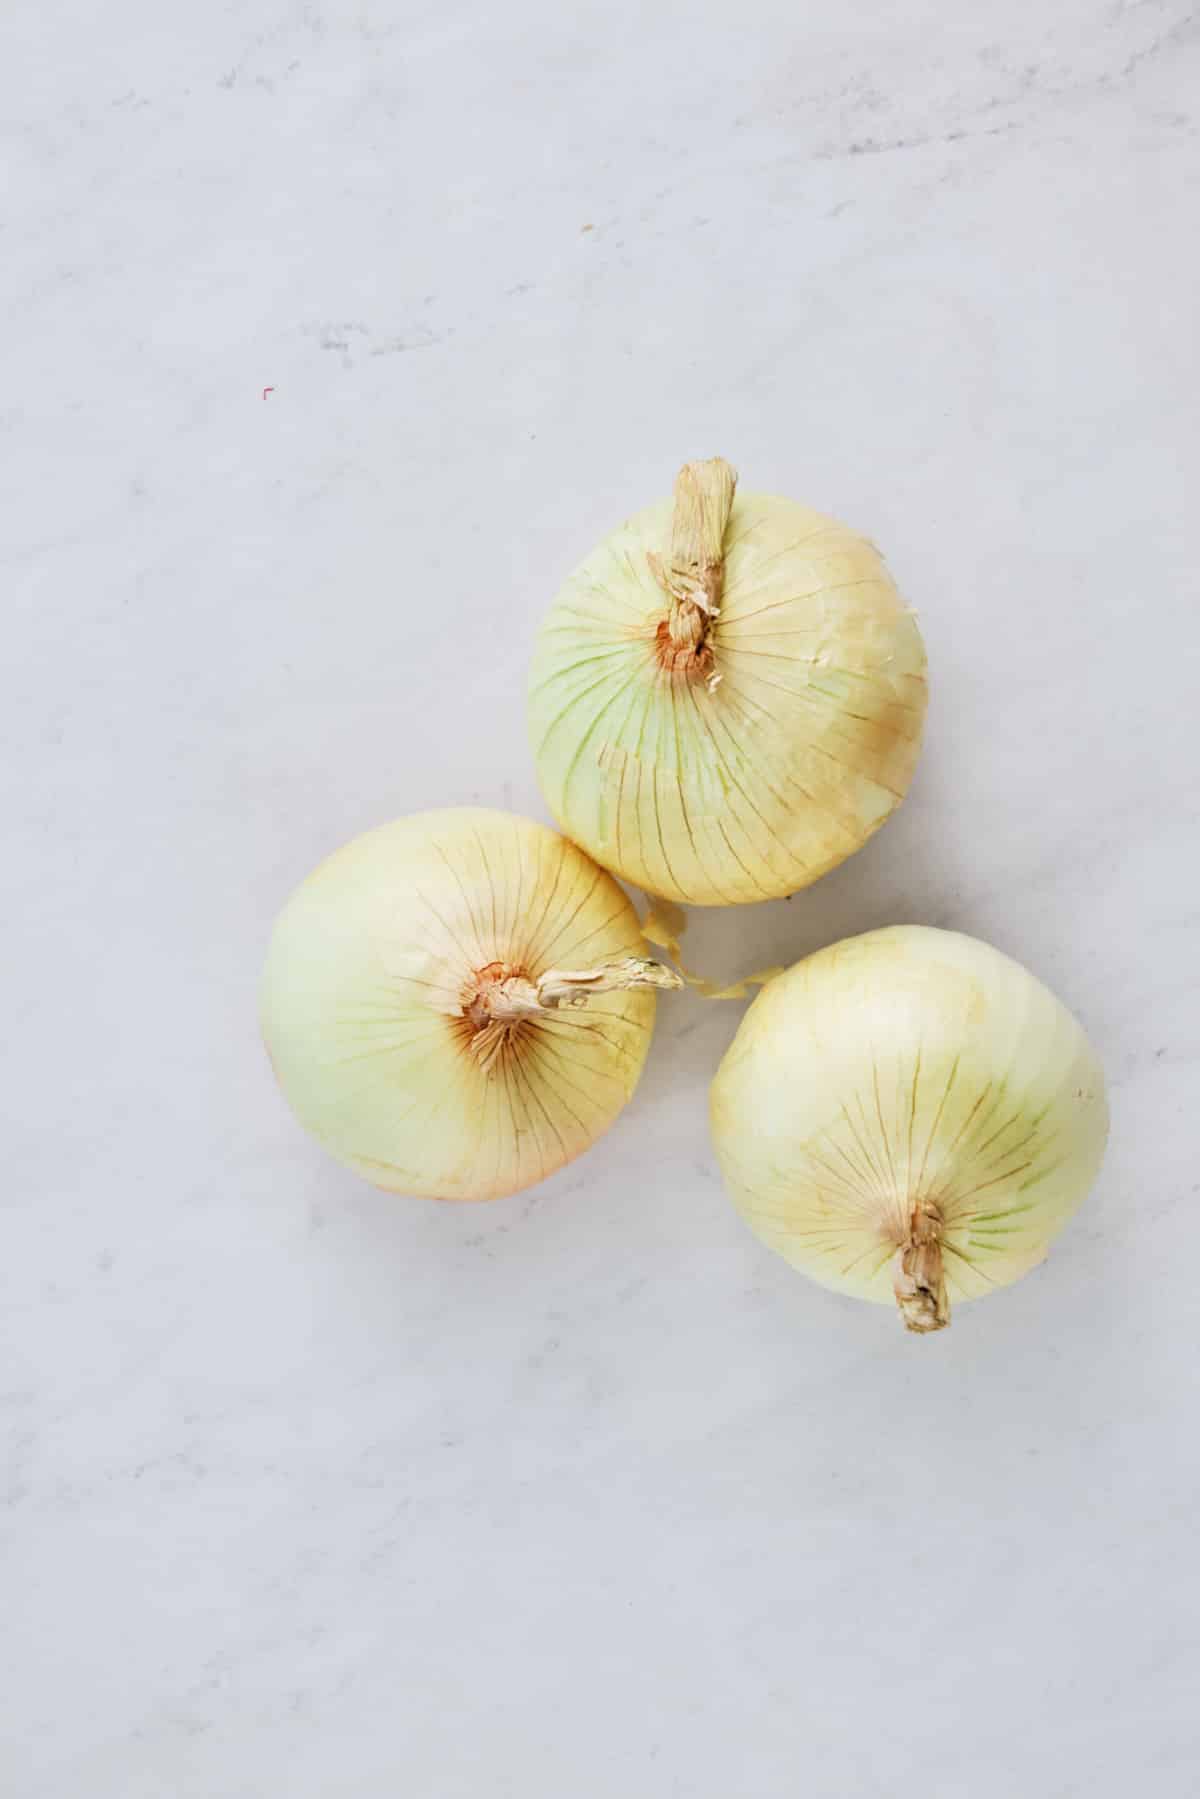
{"x":909,"y":1115}
{"x":726,"y":699}
{"x":457,"y":1004}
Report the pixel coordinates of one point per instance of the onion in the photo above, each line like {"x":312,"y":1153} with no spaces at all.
{"x":419,"y":1003}
{"x":726,"y":701}
{"x":909,"y":1114}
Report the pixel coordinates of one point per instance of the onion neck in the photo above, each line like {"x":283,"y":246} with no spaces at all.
{"x":694,"y":572}
{"x":505,"y":998}
{"x":920,"y":1277}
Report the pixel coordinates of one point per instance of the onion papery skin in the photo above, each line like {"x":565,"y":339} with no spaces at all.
{"x":367,"y":993}
{"x":752,"y":772}
{"x":908,"y":1071}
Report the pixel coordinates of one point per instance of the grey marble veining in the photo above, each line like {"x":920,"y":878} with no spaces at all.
{"x":311,"y":1492}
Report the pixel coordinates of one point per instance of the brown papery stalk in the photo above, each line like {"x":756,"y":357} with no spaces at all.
{"x":505,"y":998}
{"x":920,"y":1278}
{"x":694,"y":572}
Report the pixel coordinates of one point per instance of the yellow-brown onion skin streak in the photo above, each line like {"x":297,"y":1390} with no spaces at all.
{"x":908,"y":1068}
{"x":750,"y":786}
{"x":369,"y":973}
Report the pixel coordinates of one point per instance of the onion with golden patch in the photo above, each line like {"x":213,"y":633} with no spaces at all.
{"x":727,"y":697}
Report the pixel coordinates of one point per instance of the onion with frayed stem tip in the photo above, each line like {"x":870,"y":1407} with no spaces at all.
{"x":909,"y":1116}
{"x":728,"y":695}
{"x":457,"y":1004}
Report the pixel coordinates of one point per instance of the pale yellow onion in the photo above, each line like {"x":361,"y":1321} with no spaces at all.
{"x":909,"y":1116}
{"x":727,"y":697}
{"x":457,"y":1004}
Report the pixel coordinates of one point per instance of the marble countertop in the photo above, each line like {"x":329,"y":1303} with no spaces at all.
{"x":335,"y":335}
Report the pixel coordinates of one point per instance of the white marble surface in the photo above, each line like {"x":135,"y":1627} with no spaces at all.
{"x":317,"y":1494}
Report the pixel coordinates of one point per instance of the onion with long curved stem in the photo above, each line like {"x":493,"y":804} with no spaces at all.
{"x":459,"y":1003}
